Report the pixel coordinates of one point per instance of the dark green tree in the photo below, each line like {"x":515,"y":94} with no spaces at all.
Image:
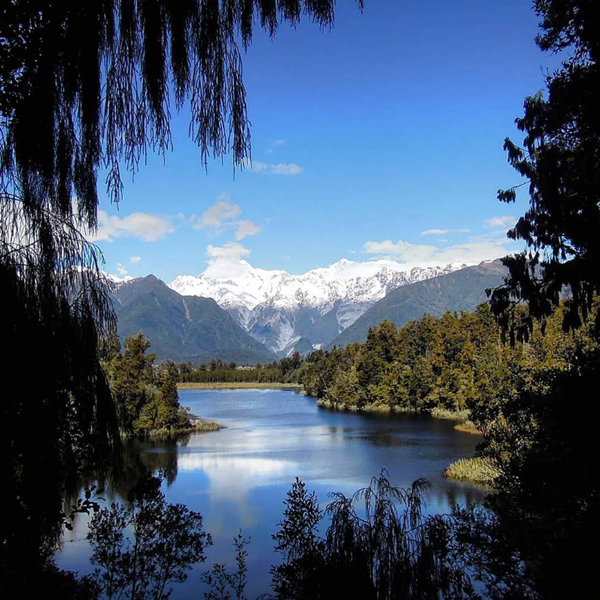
{"x":302,"y":573}
{"x":560,"y":160}
{"x":223,"y":585}
{"x":130,"y":376}
{"x":145,"y":394}
{"x":378,"y":545}
{"x":549,"y":495}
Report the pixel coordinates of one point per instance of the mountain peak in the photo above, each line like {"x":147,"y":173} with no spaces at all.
{"x":343,"y":262}
{"x":278,"y":308}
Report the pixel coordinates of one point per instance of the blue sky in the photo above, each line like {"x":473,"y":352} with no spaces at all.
{"x":381,"y":137}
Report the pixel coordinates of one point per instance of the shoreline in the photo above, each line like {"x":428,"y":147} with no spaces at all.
{"x":239,"y":385}
{"x":472,"y":470}
{"x":438,"y":413}
{"x":464,"y":424}
{"x":196,"y":425}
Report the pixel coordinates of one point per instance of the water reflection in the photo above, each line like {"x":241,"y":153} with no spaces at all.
{"x":231,"y":478}
{"x":238,"y":477}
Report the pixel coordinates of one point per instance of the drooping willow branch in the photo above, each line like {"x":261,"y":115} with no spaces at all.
{"x":89,"y":85}
{"x":50,"y":255}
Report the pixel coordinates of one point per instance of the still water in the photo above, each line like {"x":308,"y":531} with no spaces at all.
{"x":238,"y":477}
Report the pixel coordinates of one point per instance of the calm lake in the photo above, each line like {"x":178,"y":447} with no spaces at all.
{"x":238,"y":477}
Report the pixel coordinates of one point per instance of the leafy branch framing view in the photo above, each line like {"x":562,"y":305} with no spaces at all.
{"x":85,"y":87}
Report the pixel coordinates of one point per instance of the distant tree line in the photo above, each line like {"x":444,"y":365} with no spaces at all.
{"x":286,"y":370}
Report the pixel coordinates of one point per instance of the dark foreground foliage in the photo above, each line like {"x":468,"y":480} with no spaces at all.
{"x":141,"y":548}
{"x":378,"y":545}
{"x":548,"y":496}
{"x":559,"y":159}
{"x":86,"y":86}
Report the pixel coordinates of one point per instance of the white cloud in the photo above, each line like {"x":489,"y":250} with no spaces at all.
{"x":435,"y":232}
{"x":121,"y":270}
{"x":276,"y":169}
{"x":423,"y":255}
{"x":277,"y":142}
{"x":443,"y":231}
{"x":500,"y":222}
{"x":117,"y":279}
{"x":229,"y":251}
{"x":144,"y":226}
{"x":222,"y":215}
{"x":225,"y":261}
{"x":245,"y":229}
{"x":258,"y":166}
{"x":286,"y":169}
{"x":217,"y":214}
{"x":134,"y":259}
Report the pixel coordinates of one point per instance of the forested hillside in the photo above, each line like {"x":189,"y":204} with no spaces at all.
{"x":183,"y":328}
{"x":460,"y":290}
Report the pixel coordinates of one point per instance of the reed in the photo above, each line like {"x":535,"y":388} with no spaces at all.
{"x":454,"y":415}
{"x":467,"y":427}
{"x":474,"y":470}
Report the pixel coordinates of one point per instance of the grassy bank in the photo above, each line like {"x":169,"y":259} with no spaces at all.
{"x":474,"y":470}
{"x":452,"y":415}
{"x":465,"y":424}
{"x":370,"y":408}
{"x":196,"y":425}
{"x":439,"y":413}
{"x":467,"y":427}
{"x":201,"y":425}
{"x":239,"y":385}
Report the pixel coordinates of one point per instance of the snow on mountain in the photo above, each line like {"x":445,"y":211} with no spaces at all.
{"x":117,"y":281}
{"x":279,"y":309}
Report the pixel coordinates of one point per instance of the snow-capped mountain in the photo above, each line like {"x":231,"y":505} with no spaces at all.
{"x":280,"y":309}
{"x":116,"y":281}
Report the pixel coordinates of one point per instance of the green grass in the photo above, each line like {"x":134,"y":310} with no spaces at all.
{"x":474,"y":470}
{"x":444,"y":413}
{"x":195,"y":426}
{"x":439,"y":413}
{"x":381,"y":408}
{"x":467,"y":427}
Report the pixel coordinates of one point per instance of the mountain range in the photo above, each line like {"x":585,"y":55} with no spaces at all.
{"x":257,"y":315}
{"x":287,"y":312}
